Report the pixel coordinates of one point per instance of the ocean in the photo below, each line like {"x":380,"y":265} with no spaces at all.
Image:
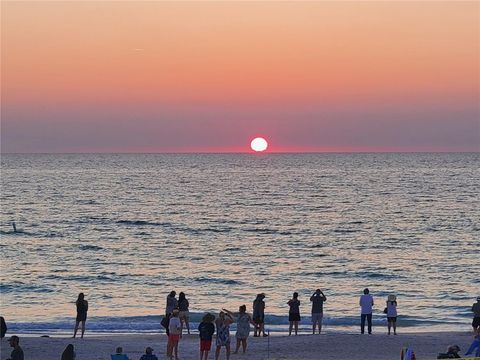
{"x":126,"y":229}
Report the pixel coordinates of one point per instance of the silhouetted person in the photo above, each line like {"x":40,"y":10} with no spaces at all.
{"x":476,"y":314}
{"x":183,"y":315}
{"x":3,"y":327}
{"x":293,"y":313}
{"x":366,"y":304}
{"x":171,"y":304}
{"x":17,"y":352}
{"x":82,"y":308}
{"x":68,"y":353}
{"x":317,"y":299}
{"x":392,"y":314}
{"x":259,"y":315}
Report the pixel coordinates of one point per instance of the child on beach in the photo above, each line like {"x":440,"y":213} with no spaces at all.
{"x":175,"y":329}
{"x":223,"y":334}
{"x":391,"y":311}
{"x":294,"y":313}
{"x":206,"y":329}
{"x":119,"y":355}
{"x":243,"y":327}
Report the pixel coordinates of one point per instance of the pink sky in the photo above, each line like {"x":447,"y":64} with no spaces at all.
{"x":209,"y":76}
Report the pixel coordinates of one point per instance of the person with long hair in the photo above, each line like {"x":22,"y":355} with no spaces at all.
{"x":259,"y":315}
{"x":68,"y":353}
{"x":82,"y":308}
{"x":293,"y":313}
{"x":243,"y":327}
{"x":183,"y":315}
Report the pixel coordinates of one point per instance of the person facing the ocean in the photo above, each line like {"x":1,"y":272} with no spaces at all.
{"x":317,"y":299}
{"x":149,"y":355}
{"x":476,"y":314}
{"x":183,"y":315}
{"x":68,"y":353}
{"x":259,"y":315}
{"x":243,"y":327}
{"x":293,"y":313}
{"x":119,"y":355}
{"x":206,"y":329}
{"x":391,"y":311}
{"x":366,"y":304}
{"x":223,"y":334}
{"x":82,"y":308}
{"x":171,"y":304}
{"x":17,"y":352}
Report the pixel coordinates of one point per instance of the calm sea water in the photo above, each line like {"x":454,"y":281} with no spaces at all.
{"x":127,"y":229}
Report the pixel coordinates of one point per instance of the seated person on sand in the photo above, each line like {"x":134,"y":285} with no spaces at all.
{"x":17,"y":352}
{"x":149,"y":354}
{"x":452,"y":353}
{"x":119,"y":355}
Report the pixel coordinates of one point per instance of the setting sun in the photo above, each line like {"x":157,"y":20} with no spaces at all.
{"x":259,"y":144}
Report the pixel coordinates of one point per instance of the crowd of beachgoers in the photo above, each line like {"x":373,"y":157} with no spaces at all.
{"x":176,"y":323}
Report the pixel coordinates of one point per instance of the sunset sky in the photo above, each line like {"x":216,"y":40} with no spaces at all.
{"x":209,"y":76}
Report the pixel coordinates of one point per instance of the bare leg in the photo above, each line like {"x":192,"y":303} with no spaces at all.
{"x":296,"y":327}
{"x":206,"y":354}
{"x":83,"y":328}
{"x":188,"y":325}
{"x":76,"y":329}
{"x":217,"y":353}
{"x":201,"y":354}
{"x":176,"y":350}
{"x":237,"y":347}
{"x":227,"y":348}
{"x":394,"y":328}
{"x":319,"y":327}
{"x":389,"y":326}
{"x":290,"y":328}
{"x":244,"y":345}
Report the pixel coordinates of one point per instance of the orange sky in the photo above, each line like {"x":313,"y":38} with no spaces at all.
{"x":163,"y":56}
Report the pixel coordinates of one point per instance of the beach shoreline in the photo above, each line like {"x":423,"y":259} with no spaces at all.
{"x":330,"y":345}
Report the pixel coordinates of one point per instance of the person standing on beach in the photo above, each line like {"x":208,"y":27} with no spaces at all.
{"x":175,"y":329}
{"x":476,"y":314}
{"x":366,"y":304}
{"x":82,"y":308}
{"x":294,"y":313}
{"x":206,"y":329}
{"x":317,"y":299}
{"x":171,"y":303}
{"x":17,"y":352}
{"x":223,"y":334}
{"x":392,"y":314}
{"x":259,"y":315}
{"x":183,"y":315}
{"x":243,"y":327}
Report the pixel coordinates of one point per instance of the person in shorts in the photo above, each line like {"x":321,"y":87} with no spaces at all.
{"x":183,"y":314}
{"x":175,"y":329}
{"x":392,"y":314}
{"x":206,"y":329}
{"x":317,"y":299}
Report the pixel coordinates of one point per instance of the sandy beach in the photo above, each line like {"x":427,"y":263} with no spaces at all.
{"x":338,"y":346}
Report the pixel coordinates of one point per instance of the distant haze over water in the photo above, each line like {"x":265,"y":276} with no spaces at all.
{"x":127,"y":229}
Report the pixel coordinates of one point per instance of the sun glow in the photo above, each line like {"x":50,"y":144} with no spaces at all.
{"x":259,"y":144}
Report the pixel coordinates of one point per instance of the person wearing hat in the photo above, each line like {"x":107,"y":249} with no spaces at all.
{"x":391,"y":311}
{"x":17,"y":352}
{"x":476,"y":314}
{"x":149,"y":354}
